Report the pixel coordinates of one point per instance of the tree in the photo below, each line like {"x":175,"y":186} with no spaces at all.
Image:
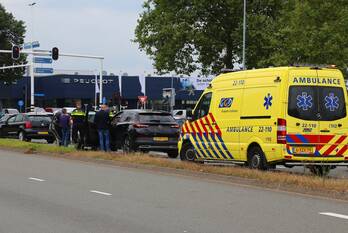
{"x":206,"y":35}
{"x":312,"y":32}
{"x":11,"y":32}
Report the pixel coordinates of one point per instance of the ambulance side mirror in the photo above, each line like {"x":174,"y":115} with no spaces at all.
{"x":189,"y":114}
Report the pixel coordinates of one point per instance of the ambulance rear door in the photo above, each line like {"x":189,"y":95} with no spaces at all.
{"x":302,"y":113}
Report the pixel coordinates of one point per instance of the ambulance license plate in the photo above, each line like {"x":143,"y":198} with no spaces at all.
{"x":303,"y":150}
{"x":43,"y":133}
{"x":160,"y":139}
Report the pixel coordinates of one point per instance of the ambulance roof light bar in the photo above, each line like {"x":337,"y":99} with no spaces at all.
{"x":314,"y":66}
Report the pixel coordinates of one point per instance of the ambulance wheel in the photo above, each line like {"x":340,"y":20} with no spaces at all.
{"x":256,"y":158}
{"x":187,"y":152}
{"x":319,"y":170}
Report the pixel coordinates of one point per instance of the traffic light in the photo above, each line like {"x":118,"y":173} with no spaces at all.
{"x":55,"y":53}
{"x":15,"y":52}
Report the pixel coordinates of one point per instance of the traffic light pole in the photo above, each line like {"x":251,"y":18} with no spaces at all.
{"x":49,"y":53}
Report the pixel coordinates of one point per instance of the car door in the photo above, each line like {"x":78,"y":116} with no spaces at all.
{"x":18,"y":124}
{"x":10,"y":127}
{"x":92,"y":132}
{"x":114,"y":132}
{"x":302,"y":110}
{"x":202,"y":129}
{"x":333,"y":123}
{"x":123,"y":125}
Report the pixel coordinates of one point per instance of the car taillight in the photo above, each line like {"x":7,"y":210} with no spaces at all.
{"x":140,"y":125}
{"x":27,"y":125}
{"x":281,"y":131}
{"x":175,"y":126}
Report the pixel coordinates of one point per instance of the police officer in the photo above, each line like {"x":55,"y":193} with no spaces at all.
{"x":78,"y":117}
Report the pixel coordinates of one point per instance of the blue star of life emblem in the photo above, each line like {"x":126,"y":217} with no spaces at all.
{"x":331,"y":102}
{"x":268,"y":101}
{"x":304,"y":101}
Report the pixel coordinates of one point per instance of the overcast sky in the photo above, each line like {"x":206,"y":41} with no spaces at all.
{"x":95,"y":27}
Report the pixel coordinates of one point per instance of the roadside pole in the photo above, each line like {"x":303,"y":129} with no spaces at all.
{"x":101,"y":82}
{"x":32,"y":83}
{"x":49,"y":53}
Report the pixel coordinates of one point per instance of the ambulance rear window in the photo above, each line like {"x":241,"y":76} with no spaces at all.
{"x":317,"y":103}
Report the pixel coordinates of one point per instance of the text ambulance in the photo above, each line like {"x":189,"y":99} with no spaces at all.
{"x":264,"y":117}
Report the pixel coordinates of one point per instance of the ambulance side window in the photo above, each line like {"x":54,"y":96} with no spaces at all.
{"x":203,"y":106}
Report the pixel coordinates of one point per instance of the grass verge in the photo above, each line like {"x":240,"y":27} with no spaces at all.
{"x":335,"y":188}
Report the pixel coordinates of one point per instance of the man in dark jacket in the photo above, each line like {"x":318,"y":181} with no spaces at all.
{"x":102,"y":121}
{"x":64,"y":123}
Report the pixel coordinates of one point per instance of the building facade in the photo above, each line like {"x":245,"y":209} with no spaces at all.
{"x":65,"y":90}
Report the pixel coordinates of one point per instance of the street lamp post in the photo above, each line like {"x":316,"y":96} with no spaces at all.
{"x":244,"y":32}
{"x":31,"y":58}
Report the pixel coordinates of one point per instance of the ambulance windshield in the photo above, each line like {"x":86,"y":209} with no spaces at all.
{"x":317,"y":103}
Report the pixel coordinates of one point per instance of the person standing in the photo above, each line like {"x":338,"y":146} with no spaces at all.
{"x":102,"y":121}
{"x":64,"y":123}
{"x":78,"y":132}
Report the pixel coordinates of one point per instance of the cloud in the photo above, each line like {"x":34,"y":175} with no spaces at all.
{"x":103,"y":28}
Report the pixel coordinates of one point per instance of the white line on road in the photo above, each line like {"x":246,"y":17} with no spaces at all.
{"x":335,"y":215}
{"x":36,"y":179}
{"x":102,"y":193}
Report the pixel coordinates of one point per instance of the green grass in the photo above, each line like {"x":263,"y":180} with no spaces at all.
{"x":34,"y":147}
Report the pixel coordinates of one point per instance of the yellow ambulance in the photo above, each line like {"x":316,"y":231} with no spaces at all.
{"x":294,"y":116}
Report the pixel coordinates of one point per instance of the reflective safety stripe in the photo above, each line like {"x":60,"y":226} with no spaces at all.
{"x":77,"y":113}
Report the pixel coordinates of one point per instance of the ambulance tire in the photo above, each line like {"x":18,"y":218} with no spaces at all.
{"x":187,"y":152}
{"x":257,"y":159}
{"x":319,"y":170}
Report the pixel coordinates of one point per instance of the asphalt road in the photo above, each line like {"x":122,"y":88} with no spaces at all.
{"x":44,"y":194}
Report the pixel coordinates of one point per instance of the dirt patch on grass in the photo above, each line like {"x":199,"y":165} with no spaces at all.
{"x":328,"y":187}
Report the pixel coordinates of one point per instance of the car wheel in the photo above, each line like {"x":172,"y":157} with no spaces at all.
{"x":256,"y":159}
{"x":187,"y":152}
{"x":50,"y":141}
{"x":128,"y":145}
{"x":172,"y":154}
{"x":319,"y":170}
{"x":22,"y":137}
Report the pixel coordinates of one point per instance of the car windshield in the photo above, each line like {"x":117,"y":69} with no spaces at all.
{"x":156,"y":117}
{"x":39,"y":118}
{"x":4,"y":118}
{"x":319,"y":103}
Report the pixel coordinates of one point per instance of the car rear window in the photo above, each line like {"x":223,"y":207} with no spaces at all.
{"x":319,"y":103}
{"x":153,"y":117}
{"x":39,"y":118}
{"x":12,"y":111}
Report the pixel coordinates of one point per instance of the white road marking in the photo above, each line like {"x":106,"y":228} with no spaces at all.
{"x":36,"y":179}
{"x":335,"y":215}
{"x":102,"y":193}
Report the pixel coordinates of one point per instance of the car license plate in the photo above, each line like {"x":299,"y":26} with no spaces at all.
{"x":303,"y":150}
{"x":43,"y":133}
{"x":160,"y":139}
